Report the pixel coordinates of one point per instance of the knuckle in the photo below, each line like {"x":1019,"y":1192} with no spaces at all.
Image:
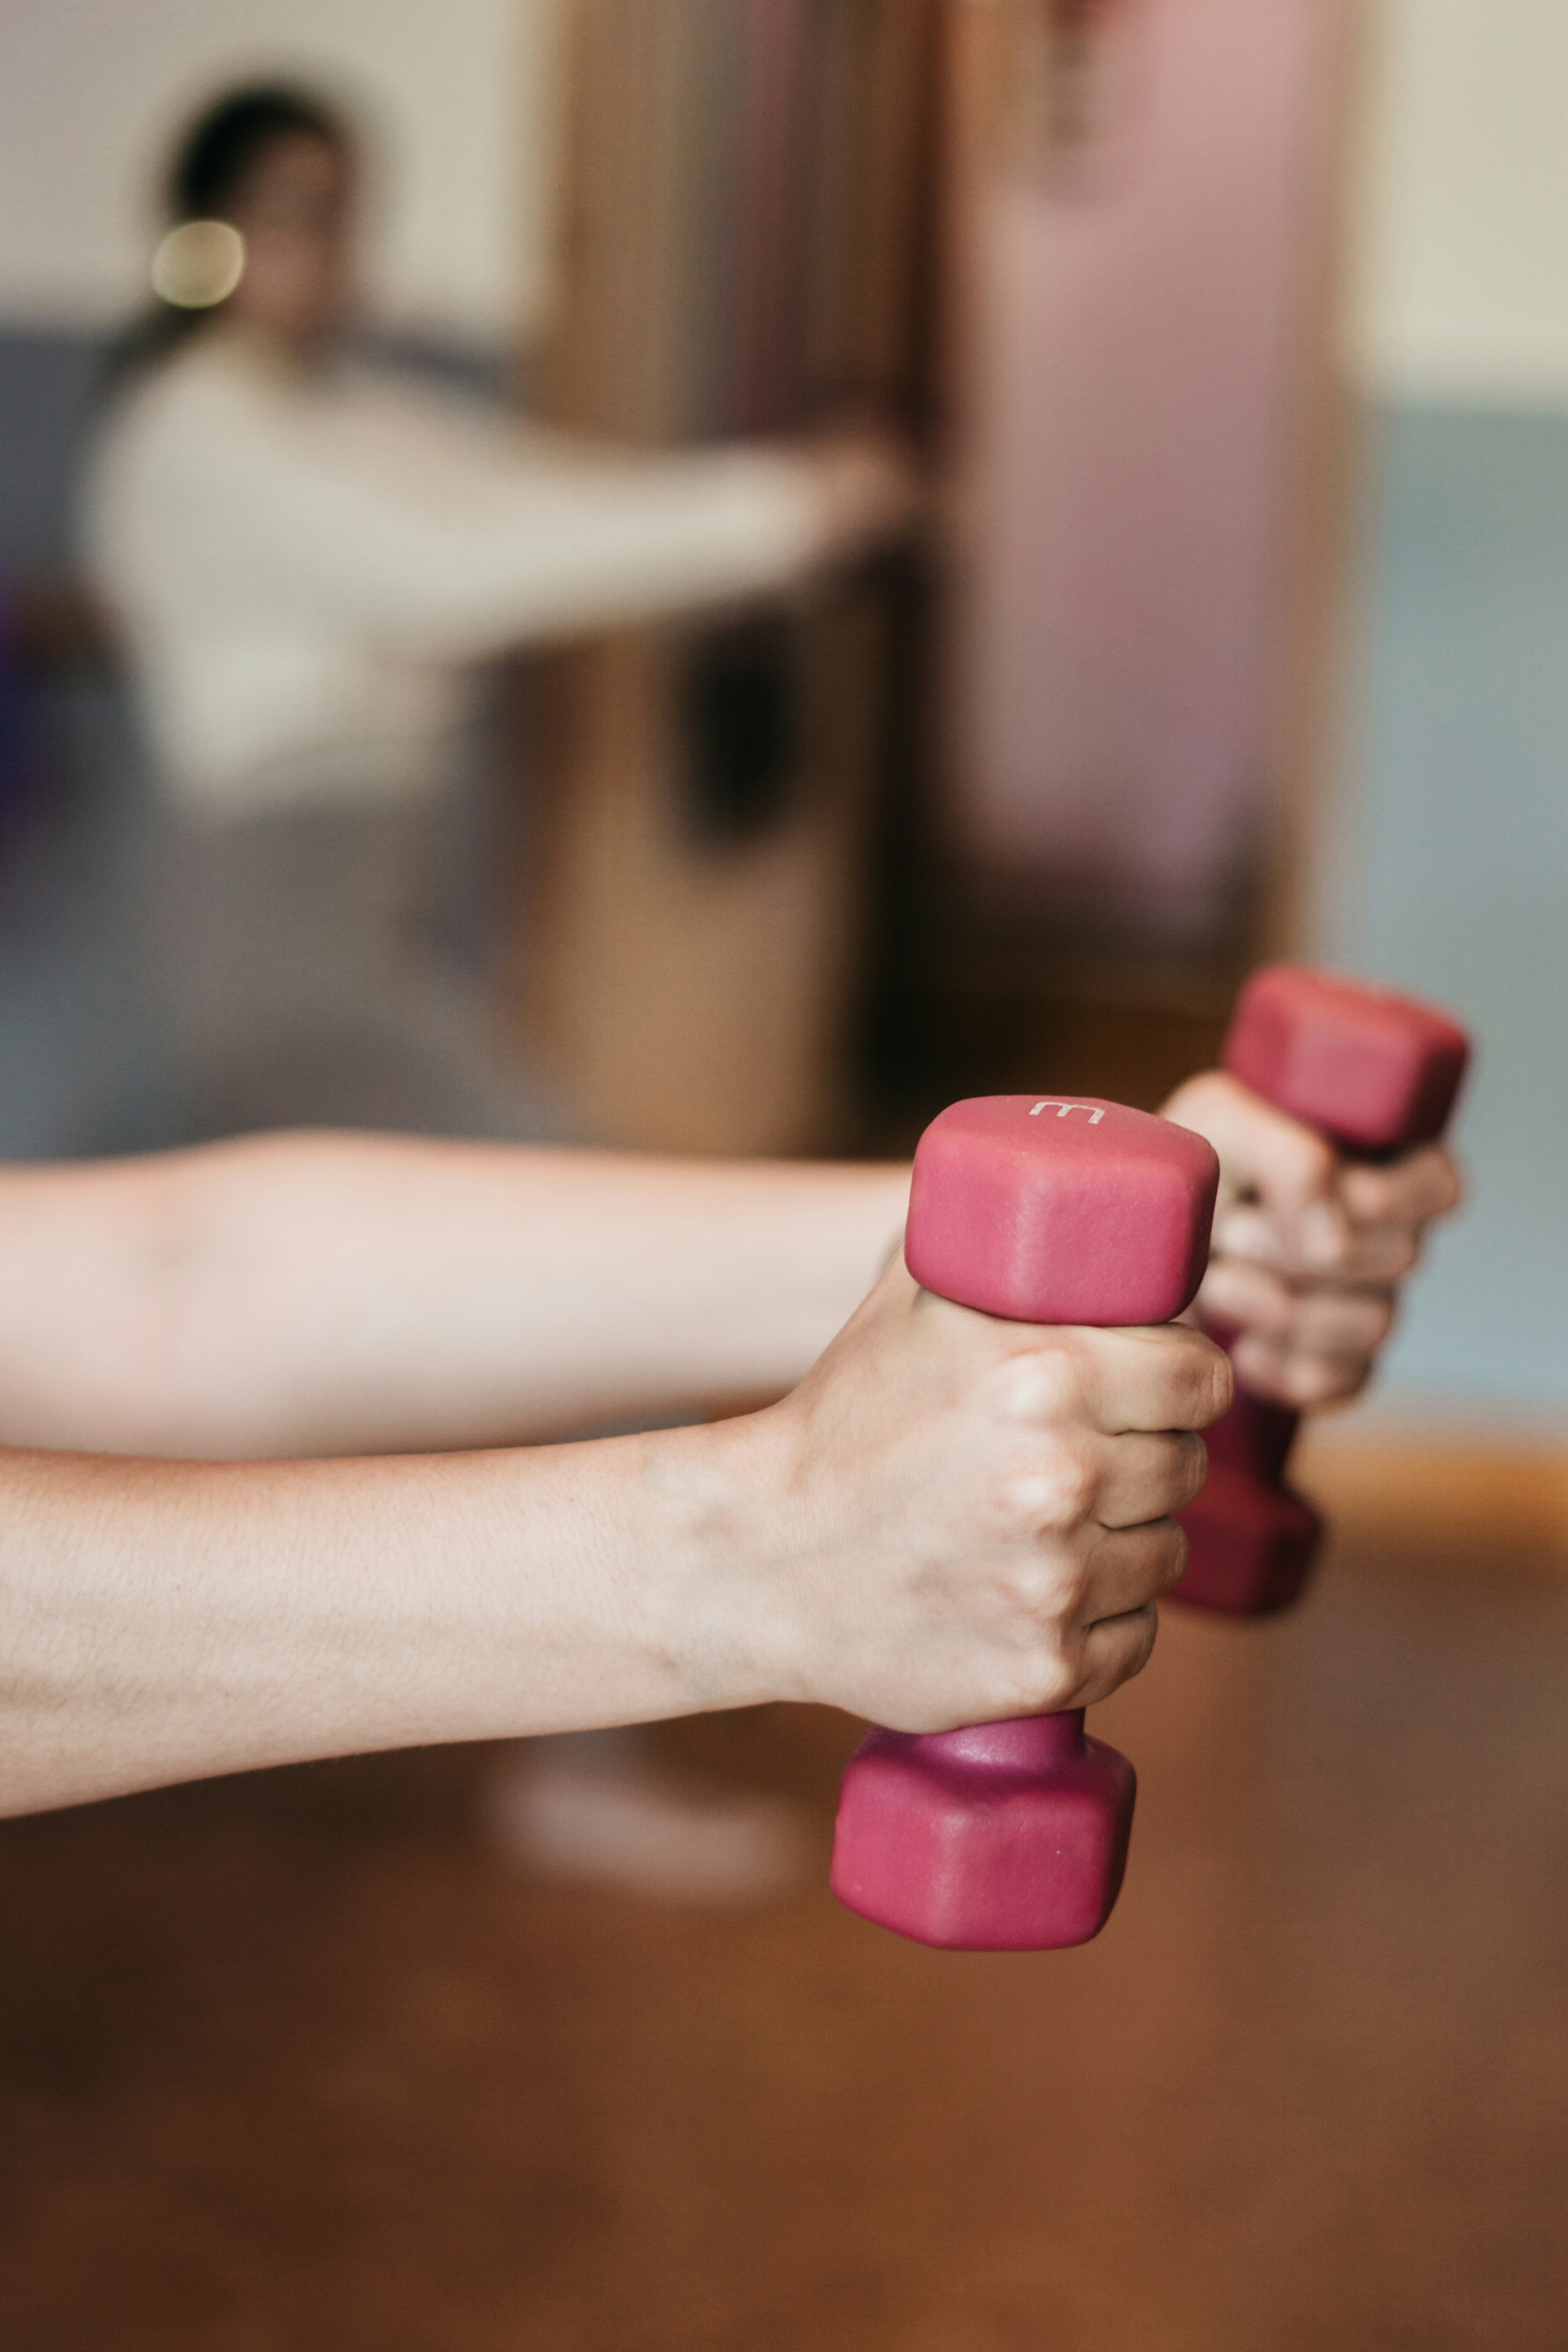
{"x":1243,"y":1232}
{"x":1274,"y":1313}
{"x":1061,"y":1491}
{"x":1196,"y":1097}
{"x":1041,"y":1384}
{"x":1044,"y":1591}
{"x":1030,"y":1593}
{"x":1076,"y":1370}
{"x":1052,"y":1489}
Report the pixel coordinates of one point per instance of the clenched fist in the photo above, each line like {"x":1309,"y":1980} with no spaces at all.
{"x":956,"y":1519}
{"x":1309,"y":1248}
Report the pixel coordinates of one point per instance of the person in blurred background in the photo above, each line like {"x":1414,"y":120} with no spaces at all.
{"x":307,"y":560}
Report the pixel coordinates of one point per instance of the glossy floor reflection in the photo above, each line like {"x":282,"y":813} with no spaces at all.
{"x":289,"y":2062}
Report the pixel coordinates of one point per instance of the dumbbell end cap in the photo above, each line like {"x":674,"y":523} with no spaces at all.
{"x":1060,"y":1209}
{"x":1375,"y":1071}
{"x":1007,"y":1837}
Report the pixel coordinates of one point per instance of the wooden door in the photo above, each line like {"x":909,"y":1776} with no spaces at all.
{"x":743,"y":190}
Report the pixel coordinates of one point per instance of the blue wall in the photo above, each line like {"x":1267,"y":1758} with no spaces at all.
{"x":1457,"y":862}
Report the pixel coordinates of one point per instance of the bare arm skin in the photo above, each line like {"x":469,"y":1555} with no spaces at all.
{"x":951,"y":1517}
{"x":320,"y":1294}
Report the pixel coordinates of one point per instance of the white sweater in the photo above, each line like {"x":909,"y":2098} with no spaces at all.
{"x":303,"y":567}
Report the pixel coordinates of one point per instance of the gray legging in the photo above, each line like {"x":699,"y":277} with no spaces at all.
{"x":294,"y":979}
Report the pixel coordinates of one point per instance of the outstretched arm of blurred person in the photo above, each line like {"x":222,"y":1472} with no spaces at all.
{"x":950,"y":1518}
{"x":1309,"y":1249}
{"x":444,"y":535}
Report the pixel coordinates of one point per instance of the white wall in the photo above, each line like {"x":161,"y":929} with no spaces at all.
{"x":1462,"y":287}
{"x":91,"y":90}
{"x":1461,"y":291}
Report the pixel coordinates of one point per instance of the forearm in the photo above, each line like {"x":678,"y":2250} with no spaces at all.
{"x":612,"y":541}
{"x":335,"y":1294}
{"x":951,"y":1518}
{"x":530,"y":548}
{"x":164,"y":1620}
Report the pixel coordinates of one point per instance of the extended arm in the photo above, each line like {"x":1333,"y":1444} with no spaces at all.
{"x":951,"y":1517}
{"x":430,"y":536}
{"x":322,"y":1294}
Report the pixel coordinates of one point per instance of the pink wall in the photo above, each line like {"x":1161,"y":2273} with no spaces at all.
{"x":1140,"y":344}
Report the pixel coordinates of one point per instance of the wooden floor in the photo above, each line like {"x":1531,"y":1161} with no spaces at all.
{"x":290,"y":2064}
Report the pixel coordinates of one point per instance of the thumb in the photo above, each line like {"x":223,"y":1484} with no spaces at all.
{"x":1279,"y":1194}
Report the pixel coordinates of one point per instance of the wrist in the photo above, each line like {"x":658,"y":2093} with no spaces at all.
{"x":721,"y":1607}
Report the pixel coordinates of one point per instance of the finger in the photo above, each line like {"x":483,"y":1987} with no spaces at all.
{"x":1112,"y":1652}
{"x":1324,"y":1316}
{"x":1148,"y":1475}
{"x":1158,"y":1377}
{"x":1246,"y":1231}
{"x":1365,"y":1254}
{"x":1375,"y":1256}
{"x":1127,"y":1568}
{"x":1283,"y":1375}
{"x":1411,"y":1191}
{"x":1342,"y":1323}
{"x":1267,"y":1156}
{"x":1252,"y":1298}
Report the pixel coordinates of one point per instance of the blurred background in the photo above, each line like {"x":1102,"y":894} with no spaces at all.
{"x":1230,"y":337}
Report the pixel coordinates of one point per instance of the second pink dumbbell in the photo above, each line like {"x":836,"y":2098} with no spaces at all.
{"x":1375,"y":1073}
{"x":1013,"y":1837}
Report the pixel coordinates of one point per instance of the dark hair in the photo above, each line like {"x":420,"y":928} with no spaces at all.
{"x":209,"y":167}
{"x":219,"y":150}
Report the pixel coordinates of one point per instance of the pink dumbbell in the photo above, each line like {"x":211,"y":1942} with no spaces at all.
{"x":1376,"y":1073}
{"x":1013,"y":1837}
